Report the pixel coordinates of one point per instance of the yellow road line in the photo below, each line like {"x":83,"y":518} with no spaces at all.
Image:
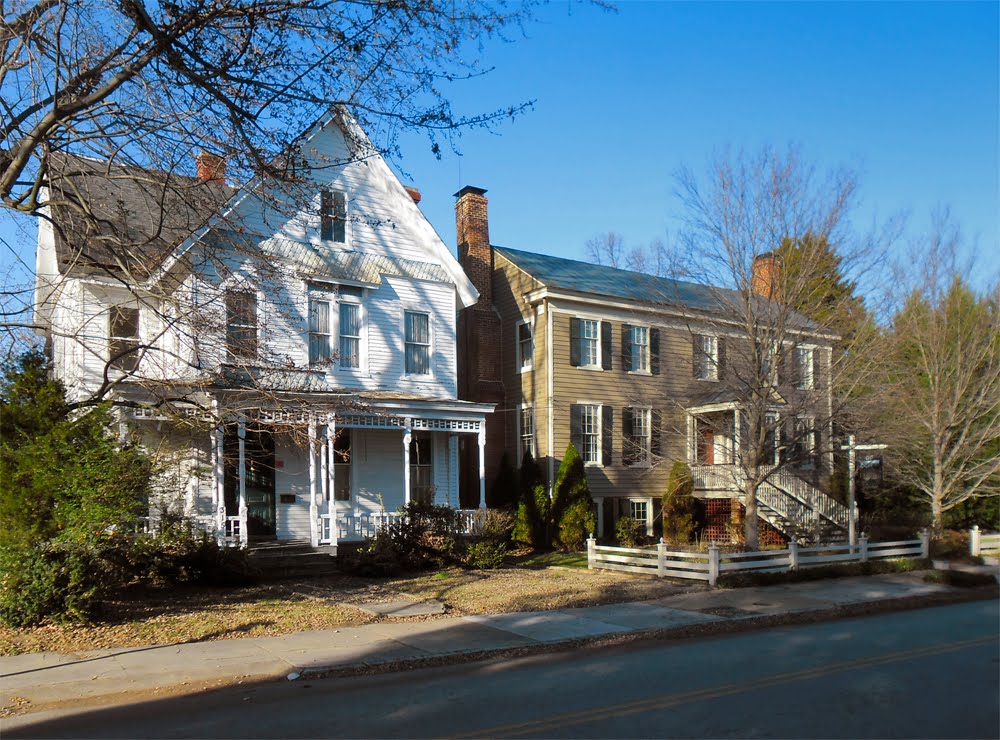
{"x":715,"y":692}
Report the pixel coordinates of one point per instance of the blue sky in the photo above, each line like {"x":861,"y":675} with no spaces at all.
{"x":906,"y":93}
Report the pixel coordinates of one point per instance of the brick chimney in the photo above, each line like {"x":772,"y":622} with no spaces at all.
{"x":211,"y":168}
{"x":413,"y":193}
{"x":766,"y":276}
{"x":480,"y":339}
{"x":473,"y":230}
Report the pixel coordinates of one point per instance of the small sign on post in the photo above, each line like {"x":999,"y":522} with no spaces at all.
{"x":591,"y":551}
{"x":793,"y":554}
{"x":661,"y":558}
{"x":925,"y":543}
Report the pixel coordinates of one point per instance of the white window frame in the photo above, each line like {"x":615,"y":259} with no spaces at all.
{"x":521,"y":436}
{"x":429,"y":345}
{"x":334,"y":298}
{"x":598,"y":409}
{"x":644,"y":367}
{"x":132,"y":358}
{"x":239,"y":290}
{"x":522,"y":364}
{"x":770,"y":361}
{"x":333,"y":216}
{"x":585,"y":341}
{"x":314,"y":300}
{"x":807,"y":430}
{"x":807,"y":376}
{"x":709,"y":358}
{"x":647,"y":504}
{"x":775,"y":452}
{"x":359,"y":338}
{"x":646,"y":413}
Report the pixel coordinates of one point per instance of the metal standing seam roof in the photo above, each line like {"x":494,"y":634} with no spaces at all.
{"x":604,"y":281}
{"x":331,"y":263}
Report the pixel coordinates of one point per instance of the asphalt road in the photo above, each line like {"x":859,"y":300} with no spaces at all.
{"x":925,"y":673}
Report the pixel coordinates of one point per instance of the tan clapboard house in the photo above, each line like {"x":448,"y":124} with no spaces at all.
{"x":633,"y":370}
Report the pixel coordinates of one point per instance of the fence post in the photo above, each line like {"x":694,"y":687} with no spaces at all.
{"x":863,"y":542}
{"x":793,"y":554}
{"x":591,"y":551}
{"x":713,"y":563}
{"x":975,"y":541}
{"x":661,"y":558}
{"x":925,"y":543}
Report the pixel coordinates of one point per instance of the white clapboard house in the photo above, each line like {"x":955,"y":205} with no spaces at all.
{"x":287,"y":353}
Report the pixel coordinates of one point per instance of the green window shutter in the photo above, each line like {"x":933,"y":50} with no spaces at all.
{"x":654,"y":351}
{"x":607,"y":421}
{"x":606,"y":349}
{"x":576,"y":426}
{"x":628,"y":447}
{"x":574,"y":342}
{"x":626,"y":347}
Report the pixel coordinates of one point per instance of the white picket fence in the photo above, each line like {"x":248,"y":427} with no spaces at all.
{"x":706,"y":566}
{"x":983,"y":543}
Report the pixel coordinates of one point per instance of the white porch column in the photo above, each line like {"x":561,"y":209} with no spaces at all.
{"x":407,"y":436}
{"x":313,"y":508}
{"x":219,"y":496}
{"x":331,"y":504}
{"x":482,"y":465}
{"x":242,"y":432}
{"x":453,"y":470}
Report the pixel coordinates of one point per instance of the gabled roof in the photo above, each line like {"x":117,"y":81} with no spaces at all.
{"x":138,"y":215}
{"x":601,"y":281}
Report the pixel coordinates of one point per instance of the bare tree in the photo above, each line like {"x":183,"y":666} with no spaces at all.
{"x":941,"y":398}
{"x":763,"y":227}
{"x":609,"y":249}
{"x":105,"y":105}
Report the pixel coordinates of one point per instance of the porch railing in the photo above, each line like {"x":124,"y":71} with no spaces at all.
{"x":353,"y":526}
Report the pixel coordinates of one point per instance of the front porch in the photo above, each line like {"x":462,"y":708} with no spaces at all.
{"x":288,"y":473}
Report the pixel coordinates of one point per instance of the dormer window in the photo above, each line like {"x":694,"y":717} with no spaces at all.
{"x":333,"y":215}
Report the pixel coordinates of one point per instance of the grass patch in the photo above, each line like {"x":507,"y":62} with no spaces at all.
{"x":872,"y":567}
{"x":550,"y":559}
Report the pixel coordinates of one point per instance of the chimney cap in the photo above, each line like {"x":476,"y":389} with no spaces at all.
{"x":470,"y":189}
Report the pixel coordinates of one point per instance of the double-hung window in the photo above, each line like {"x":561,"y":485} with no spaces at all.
{"x":706,"y":357}
{"x":350,"y":335}
{"x":320,"y":331}
{"x":525,"y":346}
{"x":804,"y":368}
{"x":123,"y":338}
{"x":640,"y":348}
{"x":241,"y":325}
{"x":806,"y":442}
{"x":336,"y":324}
{"x":417,"y":338}
{"x":590,"y":334}
{"x":333,"y":215}
{"x":641,"y":435}
{"x":526,"y":431}
{"x":590,"y":420}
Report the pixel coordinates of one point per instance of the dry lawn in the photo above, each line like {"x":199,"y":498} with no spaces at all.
{"x":199,"y":614}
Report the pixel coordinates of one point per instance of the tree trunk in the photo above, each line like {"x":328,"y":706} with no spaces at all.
{"x":750,"y":535}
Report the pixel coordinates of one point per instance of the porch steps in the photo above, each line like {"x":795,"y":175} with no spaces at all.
{"x":292,"y":559}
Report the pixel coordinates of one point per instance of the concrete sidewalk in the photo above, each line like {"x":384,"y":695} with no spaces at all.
{"x":38,"y":680}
